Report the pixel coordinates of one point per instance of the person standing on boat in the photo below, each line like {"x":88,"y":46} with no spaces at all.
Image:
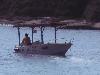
{"x":26,"y":40}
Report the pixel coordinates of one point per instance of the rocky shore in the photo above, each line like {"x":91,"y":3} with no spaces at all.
{"x":64,"y":24}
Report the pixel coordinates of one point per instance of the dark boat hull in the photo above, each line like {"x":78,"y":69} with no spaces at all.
{"x":44,"y":49}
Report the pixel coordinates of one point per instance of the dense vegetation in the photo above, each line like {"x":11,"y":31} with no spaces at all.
{"x":65,"y":8}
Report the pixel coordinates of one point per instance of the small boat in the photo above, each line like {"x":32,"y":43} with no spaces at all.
{"x":38,"y":47}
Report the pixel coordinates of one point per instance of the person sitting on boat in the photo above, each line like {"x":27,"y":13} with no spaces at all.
{"x":26,"y":40}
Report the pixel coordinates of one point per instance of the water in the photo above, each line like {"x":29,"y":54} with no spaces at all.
{"x":82,"y":59}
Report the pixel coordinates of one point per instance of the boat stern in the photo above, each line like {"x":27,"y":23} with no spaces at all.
{"x":16,"y":49}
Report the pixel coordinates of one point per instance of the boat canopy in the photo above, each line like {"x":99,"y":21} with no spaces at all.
{"x":27,"y":24}
{"x":41,"y":24}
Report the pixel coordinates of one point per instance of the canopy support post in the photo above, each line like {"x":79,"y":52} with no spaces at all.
{"x":55,"y":34}
{"x":32,"y":34}
{"x":41,"y":34}
{"x":19,"y":35}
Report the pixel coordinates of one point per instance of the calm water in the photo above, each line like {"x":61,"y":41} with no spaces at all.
{"x":82,"y":59}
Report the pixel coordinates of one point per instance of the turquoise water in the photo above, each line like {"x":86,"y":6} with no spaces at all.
{"x":82,"y":59}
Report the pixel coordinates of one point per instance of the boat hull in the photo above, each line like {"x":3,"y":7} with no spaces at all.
{"x":44,"y":49}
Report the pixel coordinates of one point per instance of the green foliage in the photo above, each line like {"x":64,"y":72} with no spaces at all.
{"x":65,"y":8}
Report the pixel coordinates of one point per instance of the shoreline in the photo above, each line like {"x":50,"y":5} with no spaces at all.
{"x":64,"y":24}
{"x":80,"y":28}
{"x":67,"y":27}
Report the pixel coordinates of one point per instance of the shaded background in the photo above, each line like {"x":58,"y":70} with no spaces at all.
{"x":88,"y":9}
{"x":34,"y":8}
